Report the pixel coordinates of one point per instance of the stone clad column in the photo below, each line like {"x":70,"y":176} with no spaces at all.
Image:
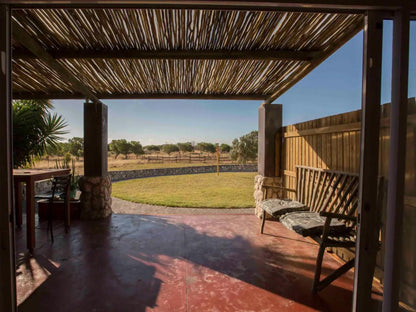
{"x":269,"y":153}
{"x":95,"y":185}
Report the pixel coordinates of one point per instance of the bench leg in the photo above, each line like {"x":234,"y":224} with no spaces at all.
{"x":334,"y":275}
{"x":318,"y":268}
{"x":263,"y":221}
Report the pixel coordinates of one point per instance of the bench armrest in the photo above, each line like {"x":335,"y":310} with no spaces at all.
{"x":337,"y":216}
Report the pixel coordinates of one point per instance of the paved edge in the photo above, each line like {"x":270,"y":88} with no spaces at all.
{"x":121,"y":206}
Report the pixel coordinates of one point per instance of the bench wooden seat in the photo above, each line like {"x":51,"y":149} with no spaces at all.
{"x":310,"y":223}
{"x":330,"y":199}
{"x":278,"y":207}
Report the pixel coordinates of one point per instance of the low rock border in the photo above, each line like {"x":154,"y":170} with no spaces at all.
{"x":157,"y":172}
{"x":44,"y":186}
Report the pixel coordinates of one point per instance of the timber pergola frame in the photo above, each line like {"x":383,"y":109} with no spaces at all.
{"x":31,"y":50}
{"x":191,"y":53}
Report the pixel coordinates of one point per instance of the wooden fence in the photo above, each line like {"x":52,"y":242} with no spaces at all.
{"x":187,"y":159}
{"x":334,"y":143}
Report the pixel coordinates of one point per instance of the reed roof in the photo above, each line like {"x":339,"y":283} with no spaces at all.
{"x":121,"y":53}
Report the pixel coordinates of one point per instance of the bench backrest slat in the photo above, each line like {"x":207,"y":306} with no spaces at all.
{"x":327,"y":190}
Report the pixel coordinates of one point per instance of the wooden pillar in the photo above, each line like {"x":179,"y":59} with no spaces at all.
{"x":368,"y":214}
{"x":397,"y":160}
{"x":7,"y":261}
{"x":270,"y":122}
{"x":95,"y":139}
{"x":95,"y":185}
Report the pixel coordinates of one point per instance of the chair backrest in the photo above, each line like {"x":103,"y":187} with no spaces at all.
{"x":60,"y":184}
{"x":327,"y":190}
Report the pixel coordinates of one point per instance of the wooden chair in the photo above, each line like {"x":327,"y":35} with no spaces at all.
{"x":60,"y":190}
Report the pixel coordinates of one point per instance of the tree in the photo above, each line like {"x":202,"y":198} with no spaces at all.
{"x":185,"y":147}
{"x":245,"y":148}
{"x":76,"y":146}
{"x":113,"y":147}
{"x":124,"y":147}
{"x":34,"y":130}
{"x":225,"y":148}
{"x":206,"y":147}
{"x":152,"y":148}
{"x":170,"y":148}
{"x":136,"y":148}
{"x":120,"y":146}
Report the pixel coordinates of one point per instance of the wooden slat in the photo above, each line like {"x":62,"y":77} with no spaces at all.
{"x":25,"y":39}
{"x":317,"y":185}
{"x":181,"y":51}
{"x":311,"y":5}
{"x":354,"y":29}
{"x":112,"y":95}
{"x":271,"y":55}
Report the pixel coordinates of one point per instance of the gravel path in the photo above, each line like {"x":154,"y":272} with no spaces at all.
{"x":126,"y":207}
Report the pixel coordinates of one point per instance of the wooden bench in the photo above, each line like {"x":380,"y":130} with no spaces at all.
{"x":325,"y":209}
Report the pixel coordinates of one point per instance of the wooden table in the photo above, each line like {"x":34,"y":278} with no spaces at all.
{"x":30,"y":176}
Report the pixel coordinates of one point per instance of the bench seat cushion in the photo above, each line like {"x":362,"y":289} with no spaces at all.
{"x":311,"y":224}
{"x":277,"y":207}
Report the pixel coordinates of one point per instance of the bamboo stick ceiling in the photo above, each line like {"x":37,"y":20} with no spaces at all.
{"x":173,"y":52}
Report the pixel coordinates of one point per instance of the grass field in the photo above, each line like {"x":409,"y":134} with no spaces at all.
{"x":228,"y":190}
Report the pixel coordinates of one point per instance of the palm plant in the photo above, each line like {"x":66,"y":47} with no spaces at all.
{"x":34,"y":129}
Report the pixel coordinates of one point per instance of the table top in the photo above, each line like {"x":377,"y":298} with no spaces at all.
{"x":38,"y":173}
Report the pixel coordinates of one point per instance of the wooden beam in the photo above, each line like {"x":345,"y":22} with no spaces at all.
{"x":271,"y":55}
{"x":369,"y":213}
{"x":317,"y":61}
{"x":67,"y":95}
{"x":7,"y":267}
{"x":397,"y":160}
{"x":27,"y":41}
{"x":305,"y":5}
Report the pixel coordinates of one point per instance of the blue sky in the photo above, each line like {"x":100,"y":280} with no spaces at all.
{"x":333,"y":87}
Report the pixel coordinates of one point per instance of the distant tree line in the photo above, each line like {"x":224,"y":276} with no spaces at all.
{"x":243,"y":149}
{"x":37,"y":132}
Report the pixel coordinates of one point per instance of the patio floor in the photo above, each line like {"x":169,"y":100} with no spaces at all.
{"x":174,"y":263}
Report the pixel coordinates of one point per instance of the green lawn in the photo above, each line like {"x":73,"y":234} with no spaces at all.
{"x":228,"y":190}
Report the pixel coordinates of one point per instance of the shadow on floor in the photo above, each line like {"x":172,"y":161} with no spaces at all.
{"x":176,"y":263}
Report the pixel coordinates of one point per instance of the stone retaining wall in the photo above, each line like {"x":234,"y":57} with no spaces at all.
{"x":45,"y":186}
{"x":146,"y":173}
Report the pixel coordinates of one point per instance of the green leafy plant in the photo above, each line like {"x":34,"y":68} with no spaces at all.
{"x":34,"y":130}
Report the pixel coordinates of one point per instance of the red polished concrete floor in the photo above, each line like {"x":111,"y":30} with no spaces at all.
{"x":174,"y":263}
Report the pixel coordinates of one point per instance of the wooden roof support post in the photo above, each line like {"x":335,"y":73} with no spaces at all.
{"x":270,"y":123}
{"x":7,"y":261}
{"x":397,"y":160}
{"x":368,"y":214}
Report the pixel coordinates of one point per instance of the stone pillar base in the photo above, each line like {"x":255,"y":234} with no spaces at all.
{"x":95,"y":197}
{"x":261,"y":191}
